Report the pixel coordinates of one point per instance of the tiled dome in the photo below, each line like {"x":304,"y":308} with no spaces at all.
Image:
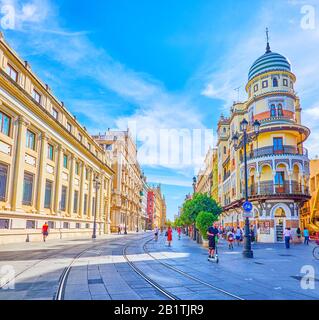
{"x":270,"y":61}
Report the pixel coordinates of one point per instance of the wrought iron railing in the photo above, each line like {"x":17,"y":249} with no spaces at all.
{"x":270,"y":151}
{"x":269,"y":188}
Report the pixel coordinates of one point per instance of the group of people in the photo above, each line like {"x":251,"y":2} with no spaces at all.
{"x":288,"y":236}
{"x":168,"y":234}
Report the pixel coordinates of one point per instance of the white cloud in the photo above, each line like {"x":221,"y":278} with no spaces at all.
{"x":155,"y":107}
{"x":299,"y":45}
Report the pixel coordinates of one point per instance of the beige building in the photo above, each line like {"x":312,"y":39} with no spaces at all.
{"x":159,"y":214}
{"x":204,"y":182}
{"x":144,"y":214}
{"x":126,"y":209}
{"x":48,"y":161}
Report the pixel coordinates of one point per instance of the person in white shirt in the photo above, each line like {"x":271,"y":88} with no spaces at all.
{"x":288,"y":237}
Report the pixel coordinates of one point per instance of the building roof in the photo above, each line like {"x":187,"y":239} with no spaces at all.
{"x":270,"y":61}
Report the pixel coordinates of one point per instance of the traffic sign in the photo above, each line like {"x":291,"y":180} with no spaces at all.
{"x":247,"y":206}
{"x":247,"y":214}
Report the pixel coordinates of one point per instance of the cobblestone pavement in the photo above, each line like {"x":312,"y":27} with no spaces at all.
{"x":103,"y":273}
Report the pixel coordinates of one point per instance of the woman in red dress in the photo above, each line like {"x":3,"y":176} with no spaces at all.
{"x":169,"y":236}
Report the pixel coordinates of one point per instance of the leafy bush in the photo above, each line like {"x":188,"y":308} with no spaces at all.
{"x":203,"y":221}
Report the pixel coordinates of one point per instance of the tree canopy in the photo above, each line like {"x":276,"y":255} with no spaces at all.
{"x":199,"y":203}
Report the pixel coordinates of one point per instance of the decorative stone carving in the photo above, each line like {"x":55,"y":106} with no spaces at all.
{"x":50,"y":169}
{"x":5,"y":148}
{"x":30,"y":160}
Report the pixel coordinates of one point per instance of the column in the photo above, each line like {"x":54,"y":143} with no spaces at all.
{"x":58,"y":180}
{"x":274,"y":181}
{"x":302,"y":183}
{"x":81,"y":195}
{"x":90,"y":194}
{"x":101,"y":191}
{"x":290,"y":181}
{"x":41,"y":173}
{"x":17,"y":185}
{"x":71,"y":187}
{"x":108,"y":214}
{"x":97,"y":204}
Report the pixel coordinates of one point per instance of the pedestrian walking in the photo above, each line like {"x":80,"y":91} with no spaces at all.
{"x":239,"y":235}
{"x":298,"y":233}
{"x":252,"y":234}
{"x":119,"y":231}
{"x":156,"y":231}
{"x":179,"y":231}
{"x":45,"y":231}
{"x":256,"y":233}
{"x":230,"y":240}
{"x":306,"y":236}
{"x":169,"y":236}
{"x":287,"y":236}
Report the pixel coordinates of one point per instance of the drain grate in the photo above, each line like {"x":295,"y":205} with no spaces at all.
{"x":260,"y":263}
{"x":96,"y":281}
{"x":286,"y":255}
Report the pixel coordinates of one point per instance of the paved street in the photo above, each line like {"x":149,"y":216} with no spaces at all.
{"x":103,"y":270}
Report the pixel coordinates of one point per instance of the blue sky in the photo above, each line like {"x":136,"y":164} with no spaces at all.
{"x":158,"y":65}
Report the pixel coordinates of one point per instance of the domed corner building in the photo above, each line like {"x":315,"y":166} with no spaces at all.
{"x":278,"y":164}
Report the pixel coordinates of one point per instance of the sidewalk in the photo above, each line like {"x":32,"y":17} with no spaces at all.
{"x":57,"y":243}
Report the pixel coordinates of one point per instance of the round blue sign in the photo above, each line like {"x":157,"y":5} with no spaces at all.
{"x":247,"y":206}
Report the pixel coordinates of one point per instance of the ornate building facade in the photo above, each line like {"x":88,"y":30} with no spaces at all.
{"x":48,"y":161}
{"x":127,"y":189}
{"x":156,"y":208}
{"x":144,"y":214}
{"x":205,"y":175}
{"x":278,"y":165}
{"x":310,"y":211}
{"x":207,"y":178}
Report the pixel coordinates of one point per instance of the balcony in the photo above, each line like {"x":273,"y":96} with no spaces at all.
{"x":270,"y":189}
{"x":270,"y":151}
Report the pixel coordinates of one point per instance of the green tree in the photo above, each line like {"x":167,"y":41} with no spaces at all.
{"x":203,"y":221}
{"x":199,"y":203}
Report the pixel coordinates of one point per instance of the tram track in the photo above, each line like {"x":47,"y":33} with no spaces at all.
{"x":160,"y":288}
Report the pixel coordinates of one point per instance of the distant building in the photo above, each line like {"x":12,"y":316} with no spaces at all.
{"x":128,"y":181}
{"x":156,"y":207}
{"x":205,"y":175}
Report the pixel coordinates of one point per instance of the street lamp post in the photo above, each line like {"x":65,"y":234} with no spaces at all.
{"x":247,"y":253}
{"x":97,"y":186}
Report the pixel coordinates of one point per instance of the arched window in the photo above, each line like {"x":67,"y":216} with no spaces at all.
{"x":275,"y":82}
{"x":273,"y":112}
{"x":280,"y":111}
